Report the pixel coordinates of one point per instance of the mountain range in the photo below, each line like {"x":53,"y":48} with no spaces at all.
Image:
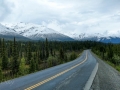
{"x":37,"y":32}
{"x":9,"y":34}
{"x":29,"y":31}
{"x":101,"y":37}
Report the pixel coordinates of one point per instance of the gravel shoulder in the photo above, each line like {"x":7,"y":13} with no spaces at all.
{"x":107,"y":78}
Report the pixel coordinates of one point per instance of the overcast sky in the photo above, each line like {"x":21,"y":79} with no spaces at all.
{"x":68,"y":16}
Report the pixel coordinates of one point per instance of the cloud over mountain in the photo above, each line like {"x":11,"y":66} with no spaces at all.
{"x":68,"y":16}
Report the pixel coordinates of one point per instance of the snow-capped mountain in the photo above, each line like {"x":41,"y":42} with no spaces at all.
{"x":9,"y":34}
{"x":86,"y":36}
{"x":102,"y":37}
{"x":38,"y":32}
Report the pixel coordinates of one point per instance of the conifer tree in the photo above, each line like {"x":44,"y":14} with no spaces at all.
{"x":15,"y":64}
{"x":54,"y":53}
{"x":43,"y":53}
{"x":0,"y":48}
{"x":51,"y":51}
{"x":46,"y":48}
{"x":4,"y":58}
{"x":1,"y":75}
{"x":32,"y":66}
{"x":29,"y":54}
{"x":110,"y":53}
{"x":36,"y":58}
{"x":61,"y":53}
{"x":11,"y":46}
{"x":102,"y":50}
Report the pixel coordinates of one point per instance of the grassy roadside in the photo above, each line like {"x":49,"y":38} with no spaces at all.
{"x":117,"y":67}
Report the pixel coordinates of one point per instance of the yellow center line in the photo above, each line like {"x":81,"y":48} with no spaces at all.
{"x":51,"y":78}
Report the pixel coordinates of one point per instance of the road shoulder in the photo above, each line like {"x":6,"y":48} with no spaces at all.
{"x":107,"y":78}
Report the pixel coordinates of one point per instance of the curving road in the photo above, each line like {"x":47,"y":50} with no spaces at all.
{"x":69,"y":76}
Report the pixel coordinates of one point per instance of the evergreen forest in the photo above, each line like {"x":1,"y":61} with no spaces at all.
{"x":19,"y":58}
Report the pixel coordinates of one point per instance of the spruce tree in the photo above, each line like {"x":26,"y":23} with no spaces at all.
{"x":102,"y":50}
{"x":4,"y":58}
{"x":1,"y":75}
{"x":61,"y":53}
{"x":110,"y":53}
{"x":29,"y":54}
{"x":32,"y":66}
{"x":15,"y":64}
{"x":54,"y":53}
{"x":36,"y":58}
{"x":51,"y":51}
{"x":0,"y":48}
{"x":39,"y":57}
{"x":46,"y":48}
{"x":43,"y":53}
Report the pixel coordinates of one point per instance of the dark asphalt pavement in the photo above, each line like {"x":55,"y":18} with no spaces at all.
{"x":74,"y":79}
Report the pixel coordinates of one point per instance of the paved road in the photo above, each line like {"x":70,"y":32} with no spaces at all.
{"x":69,"y":76}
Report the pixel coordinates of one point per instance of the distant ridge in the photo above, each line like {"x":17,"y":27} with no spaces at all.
{"x":38,"y":32}
{"x":9,"y":34}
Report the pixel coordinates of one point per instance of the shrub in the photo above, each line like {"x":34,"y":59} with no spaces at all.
{"x":73,"y":56}
{"x":52,"y":61}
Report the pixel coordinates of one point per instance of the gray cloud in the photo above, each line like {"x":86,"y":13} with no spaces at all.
{"x":5,"y":9}
{"x":64,"y":15}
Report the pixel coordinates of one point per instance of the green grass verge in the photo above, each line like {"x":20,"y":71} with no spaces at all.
{"x":117,"y":67}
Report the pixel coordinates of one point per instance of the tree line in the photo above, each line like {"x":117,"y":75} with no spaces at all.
{"x":108,"y":52}
{"x":19,"y":58}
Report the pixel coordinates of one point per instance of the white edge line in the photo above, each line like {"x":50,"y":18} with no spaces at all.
{"x":91,"y":78}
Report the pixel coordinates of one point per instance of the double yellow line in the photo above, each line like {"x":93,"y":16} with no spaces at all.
{"x":55,"y":76}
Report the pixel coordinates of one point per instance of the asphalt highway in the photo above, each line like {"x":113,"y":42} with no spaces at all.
{"x":69,"y":76}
